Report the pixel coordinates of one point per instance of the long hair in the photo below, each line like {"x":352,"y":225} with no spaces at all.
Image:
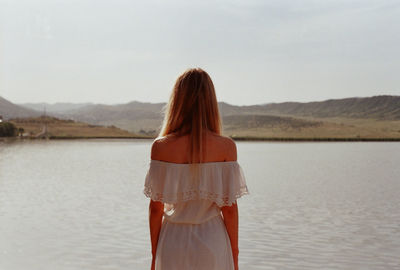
{"x":192,"y":109}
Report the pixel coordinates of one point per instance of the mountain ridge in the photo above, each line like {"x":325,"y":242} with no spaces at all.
{"x":11,"y":110}
{"x":378,"y":107}
{"x":57,"y":107}
{"x":363,"y":116}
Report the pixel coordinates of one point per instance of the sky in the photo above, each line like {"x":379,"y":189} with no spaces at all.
{"x":256,"y":52}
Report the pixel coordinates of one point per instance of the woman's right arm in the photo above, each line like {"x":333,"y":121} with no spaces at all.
{"x":156,"y":211}
{"x":231,"y":220}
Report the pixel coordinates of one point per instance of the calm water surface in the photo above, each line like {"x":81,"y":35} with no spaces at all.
{"x":79,"y":205}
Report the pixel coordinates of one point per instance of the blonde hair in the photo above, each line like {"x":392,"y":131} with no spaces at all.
{"x":192,"y":109}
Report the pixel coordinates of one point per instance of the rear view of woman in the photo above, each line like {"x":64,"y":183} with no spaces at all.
{"x":193,"y":182}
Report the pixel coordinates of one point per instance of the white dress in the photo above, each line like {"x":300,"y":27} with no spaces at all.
{"x":193,"y":234}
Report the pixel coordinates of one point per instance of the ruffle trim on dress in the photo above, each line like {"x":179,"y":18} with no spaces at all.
{"x":221,"y":182}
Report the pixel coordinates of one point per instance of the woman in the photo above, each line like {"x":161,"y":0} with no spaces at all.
{"x":193,"y":183}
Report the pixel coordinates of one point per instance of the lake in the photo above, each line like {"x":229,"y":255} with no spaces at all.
{"x":312,"y":205}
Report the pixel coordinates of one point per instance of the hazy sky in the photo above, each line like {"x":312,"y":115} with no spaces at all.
{"x":255,"y":51}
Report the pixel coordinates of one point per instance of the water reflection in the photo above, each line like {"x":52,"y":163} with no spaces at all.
{"x":79,"y":205}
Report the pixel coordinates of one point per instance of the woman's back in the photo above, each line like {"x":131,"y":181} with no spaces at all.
{"x":174,"y":148}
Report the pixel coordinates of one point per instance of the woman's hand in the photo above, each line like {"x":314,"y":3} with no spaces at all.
{"x":236,"y":259}
{"x":153,"y":263}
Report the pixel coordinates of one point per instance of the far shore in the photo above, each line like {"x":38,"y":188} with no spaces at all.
{"x":333,"y":139}
{"x":235,"y":138}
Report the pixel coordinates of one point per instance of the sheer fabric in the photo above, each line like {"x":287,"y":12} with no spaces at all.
{"x":193,"y":234}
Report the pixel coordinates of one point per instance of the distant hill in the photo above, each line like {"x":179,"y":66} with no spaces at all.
{"x":133,"y":116}
{"x":377,"y":116}
{"x":132,"y":110}
{"x":376,"y":107}
{"x":266,"y":121}
{"x":58,"y":107}
{"x":10,"y":110}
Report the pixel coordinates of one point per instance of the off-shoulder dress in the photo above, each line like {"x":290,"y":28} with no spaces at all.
{"x":193,"y":234}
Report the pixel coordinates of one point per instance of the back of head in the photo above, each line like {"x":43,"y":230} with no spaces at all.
{"x":192,"y":109}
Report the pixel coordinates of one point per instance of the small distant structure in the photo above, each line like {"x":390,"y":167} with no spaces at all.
{"x":26,"y":134}
{"x":44,"y":133}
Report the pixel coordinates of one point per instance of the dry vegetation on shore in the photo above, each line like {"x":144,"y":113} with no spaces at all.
{"x":58,"y":128}
{"x":311,"y":128}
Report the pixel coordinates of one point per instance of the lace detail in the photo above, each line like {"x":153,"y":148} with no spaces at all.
{"x":220,"y":182}
{"x":219,"y":199}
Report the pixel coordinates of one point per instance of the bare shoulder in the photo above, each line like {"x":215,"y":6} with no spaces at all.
{"x":228,"y":147}
{"x":170,"y":148}
{"x":162,"y":146}
{"x":157,"y":147}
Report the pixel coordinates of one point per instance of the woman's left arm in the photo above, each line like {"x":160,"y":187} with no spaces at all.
{"x":231,"y":220}
{"x":156,"y":211}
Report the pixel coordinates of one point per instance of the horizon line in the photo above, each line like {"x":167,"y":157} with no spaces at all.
{"x":220,"y":101}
